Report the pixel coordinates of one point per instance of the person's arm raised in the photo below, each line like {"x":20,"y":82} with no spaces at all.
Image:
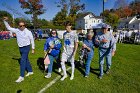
{"x":8,"y":26}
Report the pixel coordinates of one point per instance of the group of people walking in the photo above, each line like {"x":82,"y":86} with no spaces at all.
{"x":128,"y":36}
{"x":104,"y":40}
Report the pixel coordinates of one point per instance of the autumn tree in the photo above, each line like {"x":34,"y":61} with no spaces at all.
{"x":121,"y":10}
{"x":127,"y":11}
{"x":124,"y":12}
{"x":33,"y":7}
{"x":135,"y":6}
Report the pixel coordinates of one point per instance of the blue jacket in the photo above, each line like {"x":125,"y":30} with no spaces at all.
{"x":57,"y":45}
{"x":39,"y":32}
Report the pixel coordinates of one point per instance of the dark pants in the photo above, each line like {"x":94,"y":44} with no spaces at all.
{"x":24,"y":62}
{"x":40,"y":36}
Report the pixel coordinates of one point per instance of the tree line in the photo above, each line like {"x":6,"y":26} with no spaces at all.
{"x":121,"y":10}
{"x":70,"y":11}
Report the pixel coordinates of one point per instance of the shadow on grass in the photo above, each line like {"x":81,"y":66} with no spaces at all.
{"x":81,"y":68}
{"x":41,"y":66}
{"x":19,"y":91}
{"x":18,"y":59}
{"x":94,"y":71}
{"x":56,"y":65}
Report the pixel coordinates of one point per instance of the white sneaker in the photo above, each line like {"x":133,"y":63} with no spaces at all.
{"x":72,"y":77}
{"x":48,"y":76}
{"x":20,"y":79}
{"x":59,"y":70}
{"x":28,"y":74}
{"x":65,"y":76}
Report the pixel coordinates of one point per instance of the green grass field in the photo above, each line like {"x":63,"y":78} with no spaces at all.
{"x":124,"y":77}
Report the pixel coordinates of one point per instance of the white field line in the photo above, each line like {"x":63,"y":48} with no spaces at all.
{"x":51,"y":83}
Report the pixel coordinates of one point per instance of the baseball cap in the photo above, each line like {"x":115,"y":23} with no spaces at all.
{"x":105,"y":26}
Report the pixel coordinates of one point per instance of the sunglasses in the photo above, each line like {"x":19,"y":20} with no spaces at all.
{"x":53,"y":33}
{"x":22,"y":26}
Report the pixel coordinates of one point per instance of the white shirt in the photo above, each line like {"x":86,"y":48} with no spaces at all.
{"x":70,"y":38}
{"x":128,"y":34}
{"x":24,"y":38}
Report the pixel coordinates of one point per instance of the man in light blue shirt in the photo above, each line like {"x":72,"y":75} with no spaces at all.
{"x":107,"y":48}
{"x":24,"y":39}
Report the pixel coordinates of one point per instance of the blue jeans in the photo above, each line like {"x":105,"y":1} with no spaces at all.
{"x":50,"y":66}
{"x":104,"y":53}
{"x":87,"y":65}
{"x":24,"y":62}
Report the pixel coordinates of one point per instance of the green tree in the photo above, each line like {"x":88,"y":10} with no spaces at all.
{"x":105,"y":13}
{"x":112,"y":19}
{"x":3,"y":14}
{"x":60,"y":18}
{"x":42,"y":23}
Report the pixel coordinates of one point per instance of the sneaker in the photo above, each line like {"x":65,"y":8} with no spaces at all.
{"x":28,"y":74}
{"x":59,"y":70}
{"x":100,"y":77}
{"x":48,"y":76}
{"x":65,"y":76}
{"x":86,"y":76}
{"x":108,"y":71}
{"x":72,"y":77}
{"x":20,"y":79}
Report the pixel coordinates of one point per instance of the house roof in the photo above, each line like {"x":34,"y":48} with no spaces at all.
{"x":100,"y":17}
{"x":126,"y":20}
{"x":136,"y":22}
{"x":87,"y":13}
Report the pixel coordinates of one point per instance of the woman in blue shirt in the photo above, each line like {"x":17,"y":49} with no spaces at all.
{"x":53,"y":45}
{"x":88,"y":44}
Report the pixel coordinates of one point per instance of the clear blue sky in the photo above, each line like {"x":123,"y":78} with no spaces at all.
{"x":94,"y":6}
